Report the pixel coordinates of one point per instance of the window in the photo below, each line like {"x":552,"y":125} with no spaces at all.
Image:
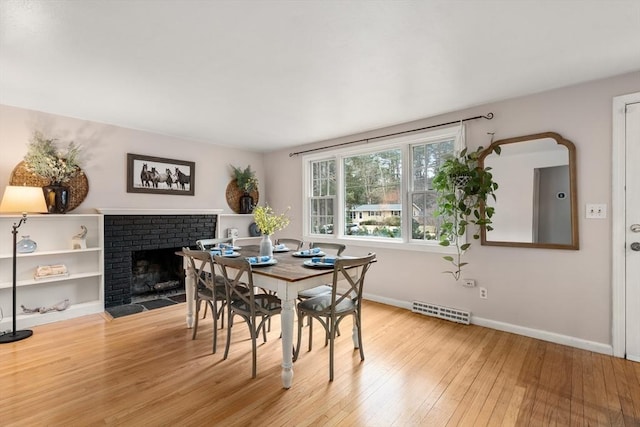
{"x":425,"y":160}
{"x":323,"y":194}
{"x":378,"y":192}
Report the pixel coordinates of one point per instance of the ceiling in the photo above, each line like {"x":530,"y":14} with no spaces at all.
{"x":265,"y":75}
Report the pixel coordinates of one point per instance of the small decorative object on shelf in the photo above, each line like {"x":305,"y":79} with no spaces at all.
{"x":254,"y":231}
{"x":45,"y":160}
{"x":79,"y":241}
{"x":269,"y":222}
{"x":61,"y":306}
{"x":43,"y":271}
{"x":26,"y":245}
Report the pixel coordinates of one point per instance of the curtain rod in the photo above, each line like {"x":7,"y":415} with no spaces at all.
{"x":488,"y":117}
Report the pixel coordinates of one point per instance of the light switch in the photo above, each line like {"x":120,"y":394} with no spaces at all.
{"x":596,"y":211}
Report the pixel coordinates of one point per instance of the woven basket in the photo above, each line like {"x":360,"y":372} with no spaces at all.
{"x":234,"y":193}
{"x":78,"y":185}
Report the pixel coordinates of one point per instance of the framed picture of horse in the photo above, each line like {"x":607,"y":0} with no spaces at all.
{"x":156,"y":175}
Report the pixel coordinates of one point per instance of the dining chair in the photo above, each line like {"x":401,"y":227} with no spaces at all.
{"x":295,"y":244}
{"x":329,"y":309}
{"x":206,"y":244}
{"x":208,"y":287}
{"x":336,"y":249}
{"x":255,"y":309}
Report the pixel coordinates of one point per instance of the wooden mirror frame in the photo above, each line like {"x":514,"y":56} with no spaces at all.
{"x":573,"y":190}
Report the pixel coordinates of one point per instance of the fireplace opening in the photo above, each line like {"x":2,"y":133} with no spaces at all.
{"x":155,"y":274}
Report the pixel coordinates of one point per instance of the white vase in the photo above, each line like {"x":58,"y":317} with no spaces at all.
{"x":266,"y":246}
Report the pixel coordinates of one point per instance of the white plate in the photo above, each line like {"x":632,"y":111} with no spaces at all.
{"x":272,"y":261}
{"x":217,"y":248}
{"x":276,"y":250}
{"x":232,"y":255}
{"x":308,"y":255}
{"x":309,"y":263}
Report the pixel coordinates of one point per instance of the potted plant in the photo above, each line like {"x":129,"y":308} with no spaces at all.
{"x":462,"y":189}
{"x":269,"y":222}
{"x":247,"y":182}
{"x":58,"y":166}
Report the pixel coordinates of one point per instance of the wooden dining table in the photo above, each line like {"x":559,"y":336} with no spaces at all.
{"x":286,"y":278}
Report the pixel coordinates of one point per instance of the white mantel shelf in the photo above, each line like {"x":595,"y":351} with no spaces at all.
{"x":126,"y":211}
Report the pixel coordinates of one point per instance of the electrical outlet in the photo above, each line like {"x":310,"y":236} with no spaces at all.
{"x":483,"y":293}
{"x":596,"y":211}
{"x":469,"y":283}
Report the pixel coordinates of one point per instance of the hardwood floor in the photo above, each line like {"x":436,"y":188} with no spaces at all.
{"x":144,"y":369}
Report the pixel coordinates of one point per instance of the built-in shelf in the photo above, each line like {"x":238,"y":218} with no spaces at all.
{"x":83,"y":286}
{"x":240,"y":222}
{"x":56,"y":252}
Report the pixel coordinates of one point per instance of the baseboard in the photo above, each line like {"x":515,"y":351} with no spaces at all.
{"x":515,"y":329}
{"x":545,"y":335}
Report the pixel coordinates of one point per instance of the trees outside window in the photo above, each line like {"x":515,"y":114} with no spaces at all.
{"x":381,"y":191}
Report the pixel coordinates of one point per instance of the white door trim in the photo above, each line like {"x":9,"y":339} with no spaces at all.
{"x":618,"y":222}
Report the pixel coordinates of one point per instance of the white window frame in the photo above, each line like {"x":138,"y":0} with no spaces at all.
{"x":404,"y":142}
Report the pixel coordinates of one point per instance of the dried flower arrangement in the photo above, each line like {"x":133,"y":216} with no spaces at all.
{"x":44,"y":159}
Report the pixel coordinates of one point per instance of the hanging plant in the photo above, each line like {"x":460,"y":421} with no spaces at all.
{"x":462,"y":189}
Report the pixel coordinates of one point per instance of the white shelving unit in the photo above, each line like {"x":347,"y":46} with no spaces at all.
{"x":83,"y":286}
{"x":239,"y":221}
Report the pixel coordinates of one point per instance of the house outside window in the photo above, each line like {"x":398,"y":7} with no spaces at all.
{"x":379,"y":192}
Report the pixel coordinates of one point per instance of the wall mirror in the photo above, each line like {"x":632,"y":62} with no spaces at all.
{"x":536,"y":204}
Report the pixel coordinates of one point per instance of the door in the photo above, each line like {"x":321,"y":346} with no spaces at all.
{"x":626,"y":227}
{"x":632,"y":227}
{"x":552,"y":222}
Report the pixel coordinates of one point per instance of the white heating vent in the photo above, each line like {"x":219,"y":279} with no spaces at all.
{"x":441,"y":312}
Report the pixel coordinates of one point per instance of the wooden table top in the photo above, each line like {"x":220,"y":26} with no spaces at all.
{"x":288,"y":268}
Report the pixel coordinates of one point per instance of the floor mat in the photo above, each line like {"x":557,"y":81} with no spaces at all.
{"x":157,"y":303}
{"x":124,"y":310}
{"x":178,"y":298}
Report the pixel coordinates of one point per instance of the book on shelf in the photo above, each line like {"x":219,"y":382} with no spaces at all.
{"x":46,"y":271}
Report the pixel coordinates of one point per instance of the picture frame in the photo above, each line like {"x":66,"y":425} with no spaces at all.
{"x":158,"y":175}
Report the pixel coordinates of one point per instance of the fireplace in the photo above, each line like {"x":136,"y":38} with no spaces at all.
{"x":156,"y":273}
{"x":134,"y":235}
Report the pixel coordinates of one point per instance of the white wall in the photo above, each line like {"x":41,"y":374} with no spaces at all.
{"x":564,"y":296}
{"x":105,"y":150}
{"x":559,"y":295}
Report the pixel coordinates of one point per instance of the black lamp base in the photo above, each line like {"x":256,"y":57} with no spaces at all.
{"x":15,"y":336}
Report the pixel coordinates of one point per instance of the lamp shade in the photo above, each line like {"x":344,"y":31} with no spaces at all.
{"x":18,"y":199}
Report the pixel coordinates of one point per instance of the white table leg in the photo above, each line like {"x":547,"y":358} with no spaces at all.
{"x":188,"y":287}
{"x":287,"y":342}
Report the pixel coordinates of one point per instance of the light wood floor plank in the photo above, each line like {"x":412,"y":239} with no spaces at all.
{"x":145,"y":370}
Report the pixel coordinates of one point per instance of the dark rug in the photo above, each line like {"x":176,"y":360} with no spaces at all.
{"x":157,"y":303}
{"x":179,"y":298}
{"x":125,"y":310}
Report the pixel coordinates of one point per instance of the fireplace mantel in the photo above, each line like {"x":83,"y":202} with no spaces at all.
{"x":128,"y":211}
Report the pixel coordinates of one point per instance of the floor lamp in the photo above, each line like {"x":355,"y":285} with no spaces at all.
{"x":20,"y":199}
